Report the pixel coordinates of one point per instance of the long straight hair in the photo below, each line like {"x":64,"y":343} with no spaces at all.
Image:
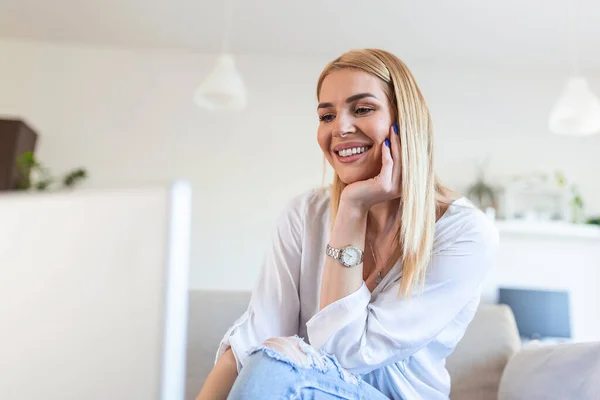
{"x":419,"y":185}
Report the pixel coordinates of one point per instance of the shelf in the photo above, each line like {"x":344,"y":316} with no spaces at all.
{"x":549,"y":229}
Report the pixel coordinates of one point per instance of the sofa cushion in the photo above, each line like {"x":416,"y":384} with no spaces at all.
{"x":543,"y":371}
{"x":477,"y":363}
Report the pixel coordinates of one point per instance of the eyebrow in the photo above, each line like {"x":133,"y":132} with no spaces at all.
{"x":349,"y":99}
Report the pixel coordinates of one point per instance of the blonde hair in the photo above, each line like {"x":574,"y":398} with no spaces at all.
{"x":420,"y":187}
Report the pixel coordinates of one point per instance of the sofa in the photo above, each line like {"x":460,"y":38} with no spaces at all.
{"x":489,"y":363}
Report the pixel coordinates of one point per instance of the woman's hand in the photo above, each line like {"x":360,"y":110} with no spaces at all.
{"x":383,"y":187}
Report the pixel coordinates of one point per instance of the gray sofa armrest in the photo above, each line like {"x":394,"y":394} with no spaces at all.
{"x":564,"y":371}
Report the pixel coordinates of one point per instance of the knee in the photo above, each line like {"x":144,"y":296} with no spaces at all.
{"x":288,"y":347}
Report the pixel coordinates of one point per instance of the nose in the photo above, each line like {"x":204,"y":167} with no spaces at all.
{"x":343,"y":125}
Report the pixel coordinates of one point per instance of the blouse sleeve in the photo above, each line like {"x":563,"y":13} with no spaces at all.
{"x":365,"y":335}
{"x":273,"y":310}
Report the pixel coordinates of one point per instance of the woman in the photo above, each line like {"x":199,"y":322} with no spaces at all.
{"x":379,"y":274}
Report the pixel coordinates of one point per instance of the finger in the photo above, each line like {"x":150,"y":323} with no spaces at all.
{"x":387,"y":163}
{"x":396,"y":155}
{"x":395,"y":143}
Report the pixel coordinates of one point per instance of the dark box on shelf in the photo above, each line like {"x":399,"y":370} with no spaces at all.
{"x":16,"y":138}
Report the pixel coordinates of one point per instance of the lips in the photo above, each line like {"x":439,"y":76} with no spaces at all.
{"x":349,"y":145}
{"x":352,"y":151}
{"x":351,"y":155}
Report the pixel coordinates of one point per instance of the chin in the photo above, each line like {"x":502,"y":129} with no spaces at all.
{"x":349,"y":177}
{"x":356,"y":171}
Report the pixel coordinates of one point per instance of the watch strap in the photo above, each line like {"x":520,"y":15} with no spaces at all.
{"x":333,"y":252}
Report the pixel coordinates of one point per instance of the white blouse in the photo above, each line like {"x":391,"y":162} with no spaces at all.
{"x":397,"y":345}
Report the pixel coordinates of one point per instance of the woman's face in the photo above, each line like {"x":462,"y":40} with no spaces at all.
{"x":354,"y":121}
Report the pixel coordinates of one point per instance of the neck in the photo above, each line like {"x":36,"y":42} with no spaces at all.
{"x":383,"y":218}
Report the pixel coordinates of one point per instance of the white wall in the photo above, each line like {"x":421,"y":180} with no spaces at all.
{"x":127,"y":116}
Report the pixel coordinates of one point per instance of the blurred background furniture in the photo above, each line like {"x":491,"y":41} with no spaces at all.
{"x":16,"y":138}
{"x":540,"y":314}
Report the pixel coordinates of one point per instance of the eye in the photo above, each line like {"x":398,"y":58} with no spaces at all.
{"x":326,"y":117}
{"x":363,"y":110}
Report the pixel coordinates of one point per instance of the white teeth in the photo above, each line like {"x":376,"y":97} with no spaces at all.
{"x":352,"y":151}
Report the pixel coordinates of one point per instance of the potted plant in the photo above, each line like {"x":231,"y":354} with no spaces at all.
{"x":480,"y":192}
{"x":34,"y":176}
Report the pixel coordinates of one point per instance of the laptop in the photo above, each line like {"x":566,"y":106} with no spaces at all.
{"x":94,"y":293}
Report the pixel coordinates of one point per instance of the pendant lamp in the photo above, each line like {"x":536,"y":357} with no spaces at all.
{"x":577,"y":110}
{"x":223,"y":88}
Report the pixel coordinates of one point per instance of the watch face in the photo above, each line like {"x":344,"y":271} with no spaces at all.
{"x":351,"y":256}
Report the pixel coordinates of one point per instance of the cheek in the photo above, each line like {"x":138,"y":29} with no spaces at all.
{"x":377,"y":129}
{"x":382,"y":130}
{"x":324,"y":139}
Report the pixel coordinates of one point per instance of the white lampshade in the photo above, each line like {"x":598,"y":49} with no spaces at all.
{"x":223,"y":88}
{"x":577,"y":111}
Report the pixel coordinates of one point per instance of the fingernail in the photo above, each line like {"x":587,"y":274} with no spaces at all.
{"x":395,"y":128}
{"x":387,"y":142}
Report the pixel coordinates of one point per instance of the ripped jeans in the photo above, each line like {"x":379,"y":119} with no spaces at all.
{"x":288,"y":368}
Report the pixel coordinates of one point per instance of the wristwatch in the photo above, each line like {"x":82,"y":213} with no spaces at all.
{"x":348,"y":256}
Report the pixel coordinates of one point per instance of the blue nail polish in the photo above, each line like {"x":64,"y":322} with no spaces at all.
{"x":395,"y":127}
{"x":387,"y":142}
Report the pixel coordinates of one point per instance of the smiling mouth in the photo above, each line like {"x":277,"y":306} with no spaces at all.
{"x":352,"y":151}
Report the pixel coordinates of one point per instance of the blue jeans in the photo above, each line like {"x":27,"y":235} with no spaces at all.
{"x":296,"y":370}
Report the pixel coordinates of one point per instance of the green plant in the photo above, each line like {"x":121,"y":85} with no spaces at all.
{"x":577,"y":206}
{"x":594,"y":221}
{"x":576,"y":202}
{"x":33,"y":175}
{"x":480,"y":192}
{"x":561,"y":180}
